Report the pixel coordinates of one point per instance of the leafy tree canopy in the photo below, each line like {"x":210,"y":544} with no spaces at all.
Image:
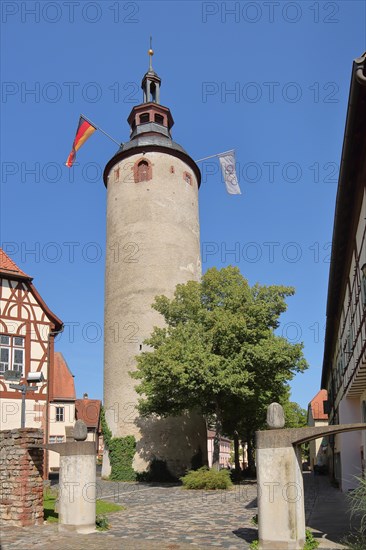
{"x":218,"y":348}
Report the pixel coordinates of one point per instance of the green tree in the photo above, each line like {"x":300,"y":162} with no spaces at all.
{"x":296,"y":416}
{"x":218,"y":347}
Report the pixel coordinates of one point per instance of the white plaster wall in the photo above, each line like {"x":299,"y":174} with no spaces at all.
{"x":59,"y":428}
{"x":349,"y":444}
{"x":10,"y":413}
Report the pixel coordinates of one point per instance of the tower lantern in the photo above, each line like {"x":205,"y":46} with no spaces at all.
{"x":151,"y":84}
{"x":152,"y":245}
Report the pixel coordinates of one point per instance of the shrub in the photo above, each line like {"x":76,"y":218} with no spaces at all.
{"x":101,"y":523}
{"x":207,"y":479}
{"x":310,"y":542}
{"x":357,"y":505}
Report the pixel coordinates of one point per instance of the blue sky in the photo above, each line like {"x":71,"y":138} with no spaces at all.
{"x":269,"y":79}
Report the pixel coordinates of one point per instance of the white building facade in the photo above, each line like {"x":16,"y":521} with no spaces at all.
{"x":344,"y":366}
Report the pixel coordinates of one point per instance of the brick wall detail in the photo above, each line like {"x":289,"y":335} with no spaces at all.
{"x":21,"y":482}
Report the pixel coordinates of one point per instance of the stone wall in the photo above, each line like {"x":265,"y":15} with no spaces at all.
{"x":21,"y":482}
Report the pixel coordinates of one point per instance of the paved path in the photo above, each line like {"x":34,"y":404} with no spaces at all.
{"x":326,"y":511}
{"x":170,"y":518}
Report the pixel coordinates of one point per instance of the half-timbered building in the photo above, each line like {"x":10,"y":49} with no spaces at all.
{"x":27,"y":331}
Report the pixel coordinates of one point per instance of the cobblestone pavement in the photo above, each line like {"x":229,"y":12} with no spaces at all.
{"x":166,"y":517}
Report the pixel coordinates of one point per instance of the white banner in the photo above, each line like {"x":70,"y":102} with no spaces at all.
{"x":227,"y":162}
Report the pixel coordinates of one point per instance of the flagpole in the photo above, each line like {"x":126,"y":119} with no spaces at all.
{"x":100,"y":129}
{"x":217,"y":155}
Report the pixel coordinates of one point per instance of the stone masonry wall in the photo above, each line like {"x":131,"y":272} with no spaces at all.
{"x":21,"y":482}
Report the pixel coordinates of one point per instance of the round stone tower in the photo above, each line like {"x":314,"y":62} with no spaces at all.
{"x":152,"y":245}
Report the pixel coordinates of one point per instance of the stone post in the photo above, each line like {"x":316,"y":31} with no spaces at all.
{"x":77,"y":499}
{"x":281,"y":514}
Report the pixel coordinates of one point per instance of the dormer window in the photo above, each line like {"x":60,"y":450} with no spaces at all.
{"x":142,"y":171}
{"x":144,"y":118}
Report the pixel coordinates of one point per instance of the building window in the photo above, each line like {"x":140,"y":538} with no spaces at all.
{"x":142,"y":171}
{"x":153,"y":91}
{"x":363,"y":284}
{"x":159,"y":119}
{"x":11,"y":353}
{"x":60,"y":414}
{"x":56,"y":439}
{"x":363,"y":411}
{"x":187,"y":178}
{"x":144,"y":118}
{"x":349,"y":341}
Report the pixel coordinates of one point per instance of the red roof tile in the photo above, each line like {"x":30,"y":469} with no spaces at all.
{"x":9,"y":267}
{"x":88,"y":410}
{"x":317,"y":407}
{"x":62,"y":385}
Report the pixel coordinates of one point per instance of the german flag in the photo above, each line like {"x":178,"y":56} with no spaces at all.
{"x":84,"y":130}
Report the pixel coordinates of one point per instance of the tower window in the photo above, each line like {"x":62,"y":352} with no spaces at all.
{"x":159,"y":119}
{"x":153,"y":92}
{"x":187,"y":178}
{"x":142,"y":171}
{"x":145,"y":117}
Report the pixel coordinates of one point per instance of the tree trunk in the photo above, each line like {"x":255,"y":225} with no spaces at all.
{"x":217,"y":438}
{"x":243,"y":460}
{"x":236,"y":452}
{"x":236,"y":456}
{"x":251,"y":461}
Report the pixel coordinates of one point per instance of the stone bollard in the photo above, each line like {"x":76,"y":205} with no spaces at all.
{"x":281,"y":514}
{"x":77,"y":498}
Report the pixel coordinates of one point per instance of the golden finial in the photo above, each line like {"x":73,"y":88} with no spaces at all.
{"x":151,"y":53}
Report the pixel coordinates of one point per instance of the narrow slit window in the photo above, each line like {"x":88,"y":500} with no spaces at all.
{"x":187,"y":178}
{"x":153,"y":92}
